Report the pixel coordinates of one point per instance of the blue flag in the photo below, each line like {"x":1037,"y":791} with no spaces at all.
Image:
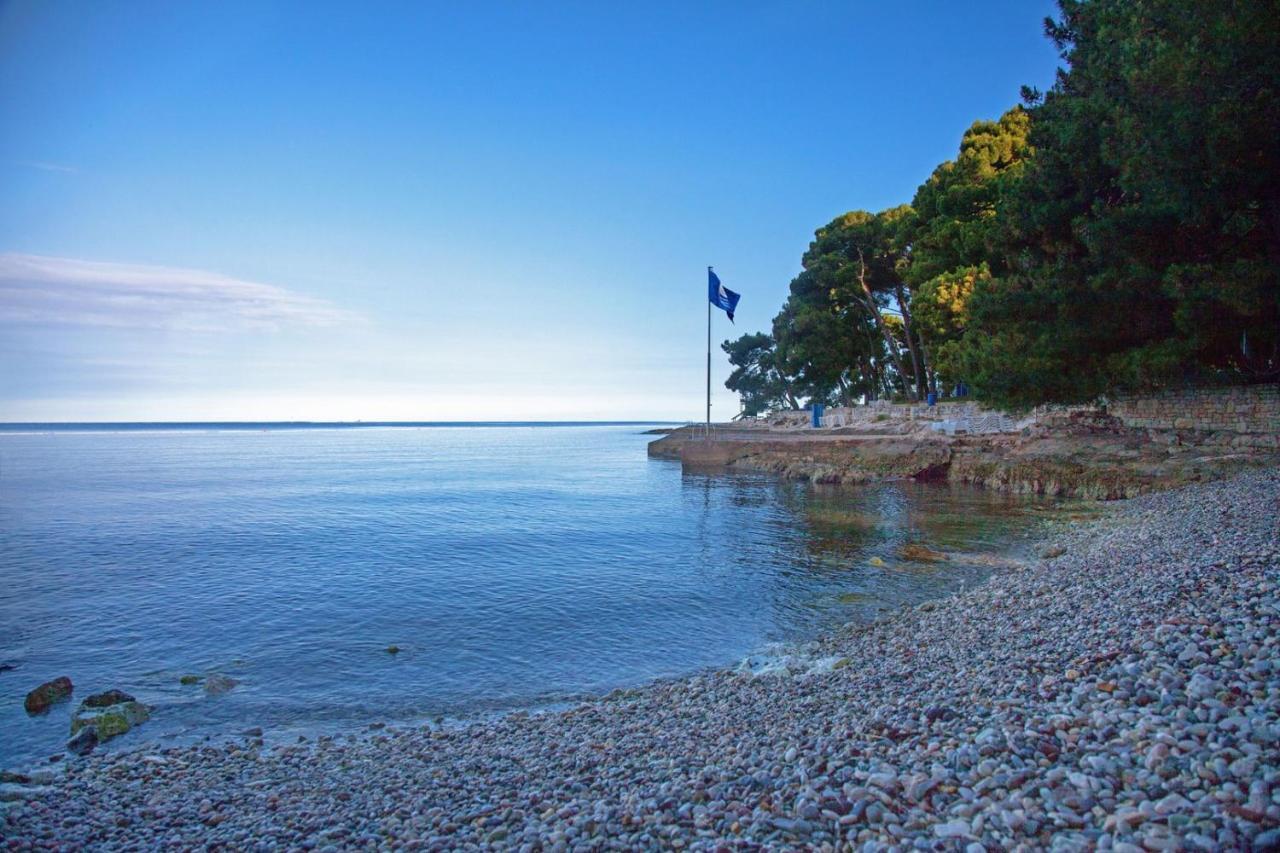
{"x":721,"y":296}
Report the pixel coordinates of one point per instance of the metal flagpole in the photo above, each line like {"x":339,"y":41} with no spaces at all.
{"x":708,"y":352}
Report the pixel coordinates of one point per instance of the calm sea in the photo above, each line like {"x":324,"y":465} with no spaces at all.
{"x":512,"y":565}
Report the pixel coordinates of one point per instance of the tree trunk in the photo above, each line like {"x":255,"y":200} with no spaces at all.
{"x":911,"y":344}
{"x":929,"y":374}
{"x":880,"y":324}
{"x":786,"y":389}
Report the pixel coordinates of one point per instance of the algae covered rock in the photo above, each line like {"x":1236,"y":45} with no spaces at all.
{"x":110,"y":714}
{"x":39,"y":700}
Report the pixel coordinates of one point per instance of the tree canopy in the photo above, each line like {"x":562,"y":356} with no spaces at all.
{"x":1120,"y":231}
{"x":1142,"y":243}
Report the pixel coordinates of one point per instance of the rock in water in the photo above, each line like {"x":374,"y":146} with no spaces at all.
{"x":39,"y":700}
{"x":103,"y":700}
{"x":189,"y":679}
{"x":393,"y":650}
{"x":84,"y":741}
{"x":110,"y":714}
{"x":920,"y":554}
{"x":216,"y":684}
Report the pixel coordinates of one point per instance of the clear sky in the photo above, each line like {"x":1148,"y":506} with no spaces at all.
{"x":340,"y":211}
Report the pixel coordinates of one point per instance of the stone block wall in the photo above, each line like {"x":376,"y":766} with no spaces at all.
{"x":1253,"y":409}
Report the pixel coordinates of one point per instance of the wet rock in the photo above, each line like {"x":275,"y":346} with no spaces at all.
{"x":39,"y":700}
{"x":217,"y":684}
{"x":84,"y":741}
{"x":189,"y":679}
{"x":105,"y":699}
{"x":111,"y":714}
{"x":17,"y":793}
{"x":393,"y":650}
{"x":921,"y":554}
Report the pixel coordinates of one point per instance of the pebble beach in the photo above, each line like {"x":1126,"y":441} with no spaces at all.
{"x":1120,"y":693}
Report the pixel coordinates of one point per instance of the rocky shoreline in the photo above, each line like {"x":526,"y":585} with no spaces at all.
{"x":1083,"y":455}
{"x":1124,"y":695}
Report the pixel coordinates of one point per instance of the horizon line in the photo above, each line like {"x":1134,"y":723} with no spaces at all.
{"x":339,"y":423}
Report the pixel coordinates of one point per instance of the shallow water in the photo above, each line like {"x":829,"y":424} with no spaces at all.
{"x":512,"y":566}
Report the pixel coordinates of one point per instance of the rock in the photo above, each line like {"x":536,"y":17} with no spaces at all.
{"x":15,"y":793}
{"x":393,"y":650}
{"x":217,"y":684}
{"x":111,"y":714}
{"x":1172,"y":803}
{"x":920,"y":554}
{"x":189,"y":679}
{"x":84,"y":741}
{"x":1054,"y":552}
{"x":920,"y":790}
{"x":1268,"y":841}
{"x":39,"y":700}
{"x":951,"y":829}
{"x":6,"y":667}
{"x":106,"y":699}
{"x":883,"y":781}
{"x":256,"y":731}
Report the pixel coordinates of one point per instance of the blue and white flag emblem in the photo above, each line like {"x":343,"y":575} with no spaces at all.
{"x":721,"y":296}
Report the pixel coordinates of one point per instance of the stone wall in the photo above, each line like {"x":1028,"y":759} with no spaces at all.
{"x":1246,"y":410}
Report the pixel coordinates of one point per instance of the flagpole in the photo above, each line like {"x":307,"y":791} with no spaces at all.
{"x":708,"y":356}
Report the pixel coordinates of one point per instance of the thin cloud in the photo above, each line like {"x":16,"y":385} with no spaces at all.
{"x":45,"y":166}
{"x":36,"y":290}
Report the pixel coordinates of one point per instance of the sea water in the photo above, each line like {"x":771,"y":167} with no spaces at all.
{"x":511,"y":565}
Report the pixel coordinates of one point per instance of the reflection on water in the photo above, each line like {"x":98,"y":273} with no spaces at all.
{"x":870,"y":548}
{"x":510,"y":566}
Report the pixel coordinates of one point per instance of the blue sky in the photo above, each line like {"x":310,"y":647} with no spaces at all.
{"x":446,"y":211}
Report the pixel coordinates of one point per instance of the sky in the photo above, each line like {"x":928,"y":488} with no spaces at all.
{"x":447,"y":211}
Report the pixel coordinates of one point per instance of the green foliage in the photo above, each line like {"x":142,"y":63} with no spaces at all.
{"x":755,"y":375}
{"x":1142,"y":245}
{"x":954,"y":230}
{"x":856,"y":262}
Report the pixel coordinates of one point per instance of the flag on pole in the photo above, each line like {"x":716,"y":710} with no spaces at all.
{"x":721,"y":296}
